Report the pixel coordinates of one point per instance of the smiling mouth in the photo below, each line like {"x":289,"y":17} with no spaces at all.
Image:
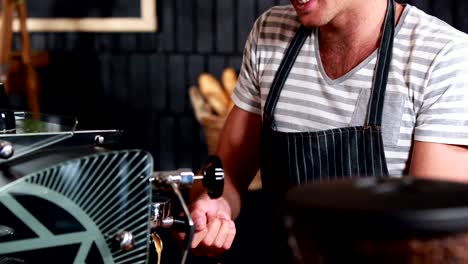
{"x":302,"y":2}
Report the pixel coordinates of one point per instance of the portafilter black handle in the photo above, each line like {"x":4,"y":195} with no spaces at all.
{"x":213,"y":177}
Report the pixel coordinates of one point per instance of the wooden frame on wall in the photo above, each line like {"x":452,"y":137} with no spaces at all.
{"x":147,"y":22}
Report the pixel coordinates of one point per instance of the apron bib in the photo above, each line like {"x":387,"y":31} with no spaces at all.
{"x":290,"y":159}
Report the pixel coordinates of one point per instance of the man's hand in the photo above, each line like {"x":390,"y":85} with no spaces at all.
{"x":214,"y":229}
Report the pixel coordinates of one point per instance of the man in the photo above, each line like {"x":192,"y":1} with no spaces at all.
{"x":324,"y":94}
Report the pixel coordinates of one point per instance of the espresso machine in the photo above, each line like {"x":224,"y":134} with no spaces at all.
{"x":71,"y":196}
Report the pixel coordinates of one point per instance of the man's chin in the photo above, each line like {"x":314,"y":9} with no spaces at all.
{"x":310,"y":23}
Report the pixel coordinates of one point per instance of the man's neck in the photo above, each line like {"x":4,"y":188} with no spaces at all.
{"x":351,"y":37}
{"x":355,"y":26}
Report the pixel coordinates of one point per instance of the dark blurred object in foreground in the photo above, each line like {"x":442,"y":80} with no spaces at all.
{"x":403,"y":220}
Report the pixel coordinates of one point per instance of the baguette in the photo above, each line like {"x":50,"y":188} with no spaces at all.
{"x":200,"y":108}
{"x":229,"y":80}
{"x":214,"y":93}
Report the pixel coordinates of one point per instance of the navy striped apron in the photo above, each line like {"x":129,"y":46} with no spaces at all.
{"x":290,"y":159}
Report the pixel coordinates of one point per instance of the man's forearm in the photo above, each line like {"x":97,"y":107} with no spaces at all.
{"x":233,"y":198}
{"x":239,"y":151}
{"x":439,"y":161}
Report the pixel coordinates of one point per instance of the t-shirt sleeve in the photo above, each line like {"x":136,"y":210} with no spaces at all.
{"x":443,"y":117}
{"x":246,"y":95}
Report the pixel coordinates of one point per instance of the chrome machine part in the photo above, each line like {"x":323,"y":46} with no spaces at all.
{"x":6,"y":231}
{"x":6,"y":149}
{"x":99,"y":140}
{"x":34,"y":132}
{"x":161,"y":213}
{"x":183,"y":178}
{"x":173,"y":182}
{"x":125,"y":240}
{"x":212,"y":178}
{"x":189,"y":224}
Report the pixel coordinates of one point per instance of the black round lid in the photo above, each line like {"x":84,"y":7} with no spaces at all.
{"x":371,"y":207}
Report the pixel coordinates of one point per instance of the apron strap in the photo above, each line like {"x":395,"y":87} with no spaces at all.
{"x":283,"y":71}
{"x":375,"y":110}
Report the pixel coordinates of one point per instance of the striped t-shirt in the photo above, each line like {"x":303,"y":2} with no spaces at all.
{"x":427,"y":91}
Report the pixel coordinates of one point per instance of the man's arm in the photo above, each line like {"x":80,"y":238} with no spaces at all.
{"x":439,"y":161}
{"x":239,"y":149}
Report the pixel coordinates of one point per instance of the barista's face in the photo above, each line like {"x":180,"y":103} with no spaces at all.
{"x":316,"y":13}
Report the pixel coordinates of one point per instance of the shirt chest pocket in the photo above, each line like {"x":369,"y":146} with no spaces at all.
{"x":391,"y":119}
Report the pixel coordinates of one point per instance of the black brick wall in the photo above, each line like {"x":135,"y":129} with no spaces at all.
{"x":139,"y":82}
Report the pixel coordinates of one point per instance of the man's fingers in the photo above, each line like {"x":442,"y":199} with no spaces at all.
{"x":214,"y":229}
{"x":222,"y":234}
{"x":199,"y":218}
{"x":216,"y":238}
{"x":198,"y":237}
{"x":230,"y":236}
{"x":214,"y":225}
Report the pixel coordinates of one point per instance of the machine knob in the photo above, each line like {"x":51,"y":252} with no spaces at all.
{"x":213,"y":177}
{"x":6,"y":149}
{"x":6,"y":231}
{"x":125,"y":241}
